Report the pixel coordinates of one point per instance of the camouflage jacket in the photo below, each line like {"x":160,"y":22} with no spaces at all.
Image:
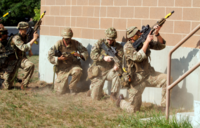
{"x":74,"y":46}
{"x":10,"y":62}
{"x":97,"y":54}
{"x":20,"y":46}
{"x":137,"y":61}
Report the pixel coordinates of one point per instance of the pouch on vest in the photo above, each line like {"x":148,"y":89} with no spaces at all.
{"x":93,"y":71}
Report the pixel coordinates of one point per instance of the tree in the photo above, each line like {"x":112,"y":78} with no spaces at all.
{"x":21,"y":10}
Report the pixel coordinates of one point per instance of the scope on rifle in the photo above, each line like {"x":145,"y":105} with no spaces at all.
{"x":144,"y":28}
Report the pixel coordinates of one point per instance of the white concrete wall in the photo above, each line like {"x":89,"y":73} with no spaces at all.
{"x":183,"y":59}
{"x":14,"y":30}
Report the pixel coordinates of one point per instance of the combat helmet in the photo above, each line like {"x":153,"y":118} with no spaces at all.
{"x":67,"y":33}
{"x":130,"y":32}
{"x":111,"y":33}
{"x":22,"y":25}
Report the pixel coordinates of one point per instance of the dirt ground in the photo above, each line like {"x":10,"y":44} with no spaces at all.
{"x":42,"y":107}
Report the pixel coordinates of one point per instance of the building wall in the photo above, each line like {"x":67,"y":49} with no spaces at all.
{"x":90,"y":18}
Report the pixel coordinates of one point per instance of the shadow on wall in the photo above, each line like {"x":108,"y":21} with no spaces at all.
{"x":180,"y":96}
{"x":83,"y":84}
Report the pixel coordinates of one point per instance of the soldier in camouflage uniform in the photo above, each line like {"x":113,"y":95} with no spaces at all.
{"x":103,"y":67}
{"x":140,"y":70}
{"x":19,"y":59}
{"x":68,"y":63}
{"x":3,"y":43}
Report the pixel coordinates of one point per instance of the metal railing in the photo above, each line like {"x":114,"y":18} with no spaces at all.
{"x":170,"y":86}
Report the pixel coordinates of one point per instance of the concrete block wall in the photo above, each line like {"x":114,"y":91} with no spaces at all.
{"x":90,"y":18}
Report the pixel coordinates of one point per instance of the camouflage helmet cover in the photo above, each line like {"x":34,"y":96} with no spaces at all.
{"x":22,"y":25}
{"x":111,"y":33}
{"x":130,"y":32}
{"x":67,"y":33}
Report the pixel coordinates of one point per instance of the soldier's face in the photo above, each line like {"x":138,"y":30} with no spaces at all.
{"x":3,"y":37}
{"x":136,"y":36}
{"x":23,"y":32}
{"x":67,"y":40}
{"x":110,"y":42}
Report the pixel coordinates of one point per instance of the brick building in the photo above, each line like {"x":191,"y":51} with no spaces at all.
{"x":90,"y":18}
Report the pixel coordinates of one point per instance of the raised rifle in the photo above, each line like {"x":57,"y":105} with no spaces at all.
{"x":111,"y":51}
{"x":146,"y":30}
{"x":36,"y":27}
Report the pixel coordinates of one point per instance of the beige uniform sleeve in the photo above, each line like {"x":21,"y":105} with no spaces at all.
{"x":51,"y":54}
{"x":132,"y":54}
{"x":20,"y":44}
{"x":83,"y":51}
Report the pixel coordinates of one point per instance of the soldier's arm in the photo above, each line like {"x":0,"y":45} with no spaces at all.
{"x":83,"y":51}
{"x":156,"y":45}
{"x":132,"y":54}
{"x":20,"y":44}
{"x":51,"y":54}
{"x":95,"y":52}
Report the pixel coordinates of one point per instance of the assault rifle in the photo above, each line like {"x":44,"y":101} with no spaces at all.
{"x":111,"y":51}
{"x":36,"y":27}
{"x":146,"y":30}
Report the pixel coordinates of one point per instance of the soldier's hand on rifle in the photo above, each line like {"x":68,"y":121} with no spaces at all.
{"x":116,"y":67}
{"x":149,"y":38}
{"x":157,"y":29}
{"x":76,"y":54}
{"x":62,"y":58}
{"x":108,"y":58}
{"x":35,"y":35}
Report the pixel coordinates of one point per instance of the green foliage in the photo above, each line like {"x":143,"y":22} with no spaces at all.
{"x":37,"y":14}
{"x":20,"y":9}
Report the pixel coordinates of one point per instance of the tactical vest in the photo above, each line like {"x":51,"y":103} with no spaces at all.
{"x":18,"y":53}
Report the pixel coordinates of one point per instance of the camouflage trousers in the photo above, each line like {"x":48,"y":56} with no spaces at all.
{"x":61,"y":82}
{"x":27,"y":66}
{"x":134,"y":102}
{"x":97,"y":84}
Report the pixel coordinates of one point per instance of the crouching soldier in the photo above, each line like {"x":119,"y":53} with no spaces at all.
{"x":17,"y":60}
{"x":65,"y":57}
{"x":141,"y":72}
{"x":103,"y":67}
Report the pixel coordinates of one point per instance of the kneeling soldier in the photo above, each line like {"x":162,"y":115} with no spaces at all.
{"x":141,"y":72}
{"x":103,"y":67}
{"x":63,"y":55}
{"x":18,"y":59}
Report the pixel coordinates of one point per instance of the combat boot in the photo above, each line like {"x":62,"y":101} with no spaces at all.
{"x":119,"y":100}
{"x":113,"y":97}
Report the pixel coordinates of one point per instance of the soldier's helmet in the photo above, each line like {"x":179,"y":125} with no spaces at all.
{"x":111,"y":33}
{"x":67,"y":33}
{"x":22,"y":25}
{"x":130,"y":32}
